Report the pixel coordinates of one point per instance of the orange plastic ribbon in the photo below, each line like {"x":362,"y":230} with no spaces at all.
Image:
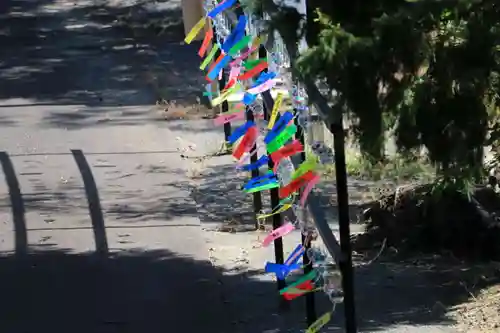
{"x":206,"y":42}
{"x":219,"y":59}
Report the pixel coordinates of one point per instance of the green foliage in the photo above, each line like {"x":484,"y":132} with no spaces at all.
{"x":395,"y":169}
{"x":428,"y":70}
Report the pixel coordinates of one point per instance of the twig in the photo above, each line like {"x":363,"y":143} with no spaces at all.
{"x":382,"y":248}
{"x":467,"y":290}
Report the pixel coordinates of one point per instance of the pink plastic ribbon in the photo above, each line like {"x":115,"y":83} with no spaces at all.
{"x":277,"y":233}
{"x":308,"y":189}
{"x":263,"y":87}
{"x":244,"y":55}
{"x":222,"y":119}
{"x":235,"y":71}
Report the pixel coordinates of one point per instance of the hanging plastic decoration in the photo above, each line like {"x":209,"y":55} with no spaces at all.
{"x":235,"y":49}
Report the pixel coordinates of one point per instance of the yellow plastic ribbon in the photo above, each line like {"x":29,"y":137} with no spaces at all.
{"x":319,"y":323}
{"x":258,"y":40}
{"x":283,"y":206}
{"x":274,"y":113}
{"x":195,"y":30}
{"x":281,"y":209}
{"x":311,"y":163}
{"x":218,"y":100}
{"x":209,"y":57}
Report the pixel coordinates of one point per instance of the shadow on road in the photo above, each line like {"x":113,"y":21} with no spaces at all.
{"x":131,"y":291}
{"x":17,"y":205}
{"x":155,"y":290}
{"x":95,"y":210}
{"x":95,"y":55}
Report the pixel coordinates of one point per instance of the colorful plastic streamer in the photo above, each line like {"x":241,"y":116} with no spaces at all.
{"x":195,"y":30}
{"x":280,"y":144}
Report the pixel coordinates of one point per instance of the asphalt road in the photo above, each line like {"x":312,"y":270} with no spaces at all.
{"x":126,"y":254}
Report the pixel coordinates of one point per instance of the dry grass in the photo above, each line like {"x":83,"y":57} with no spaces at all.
{"x":170,"y":110}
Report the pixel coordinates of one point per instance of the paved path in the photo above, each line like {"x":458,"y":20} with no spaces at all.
{"x":72,"y":93}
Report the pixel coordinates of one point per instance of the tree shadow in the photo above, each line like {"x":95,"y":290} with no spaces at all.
{"x":417,"y":291}
{"x":222,"y":203}
{"x":130,"y":291}
{"x":133,"y":290}
{"x":389,"y":293}
{"x":93,"y":55}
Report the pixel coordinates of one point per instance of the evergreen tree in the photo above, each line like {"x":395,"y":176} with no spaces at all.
{"x":428,"y":70}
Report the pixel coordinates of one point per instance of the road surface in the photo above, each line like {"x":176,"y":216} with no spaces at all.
{"x":73,"y":110}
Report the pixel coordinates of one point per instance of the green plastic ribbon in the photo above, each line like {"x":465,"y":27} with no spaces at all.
{"x":310,"y":276}
{"x":309,"y":164}
{"x":249,"y":64}
{"x":209,"y":57}
{"x":281,"y":139}
{"x":239,"y":45}
{"x":263,"y":187}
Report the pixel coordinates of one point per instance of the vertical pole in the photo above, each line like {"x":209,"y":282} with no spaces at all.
{"x":309,"y":297}
{"x":225,"y":108}
{"x":278,"y":243}
{"x":276,"y":218}
{"x":225,"y":104}
{"x":344,"y":229}
{"x":257,"y":198}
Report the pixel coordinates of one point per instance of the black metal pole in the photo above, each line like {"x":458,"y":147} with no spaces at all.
{"x":344,"y":229}
{"x":311,"y":315}
{"x":277,"y":222}
{"x":257,"y":197}
{"x":275,"y":200}
{"x":225,"y":108}
{"x":225,"y":104}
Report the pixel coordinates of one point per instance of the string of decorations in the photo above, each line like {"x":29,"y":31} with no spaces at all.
{"x":236,"y":49}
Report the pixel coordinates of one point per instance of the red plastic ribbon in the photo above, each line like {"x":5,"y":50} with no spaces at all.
{"x":254,"y":71}
{"x":231,"y":83}
{"x":296,"y":184}
{"x":247,"y":142}
{"x":288,"y":150}
{"x":305,"y":286}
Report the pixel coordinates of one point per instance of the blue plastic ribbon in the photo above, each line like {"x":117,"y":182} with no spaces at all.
{"x":263,"y":77}
{"x":237,"y":34}
{"x":221,"y":7}
{"x":278,"y":127}
{"x":261,"y":180}
{"x":249,"y":98}
{"x":295,"y":256}
{"x":254,"y":166}
{"x":220,"y":65}
{"x":240,"y":131}
{"x":280,"y":270}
